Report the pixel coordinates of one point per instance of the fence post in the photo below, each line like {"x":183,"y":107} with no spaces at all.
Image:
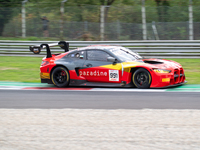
{"x":118,"y":29}
{"x":102,"y":23}
{"x":191,"y":36}
{"x":85,"y":26}
{"x":23,"y":19}
{"x":144,"y":25}
{"x":62,"y":10}
{"x":155,"y":30}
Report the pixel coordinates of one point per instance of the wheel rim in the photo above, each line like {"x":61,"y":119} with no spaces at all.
{"x":142,"y":78}
{"x":60,"y":76}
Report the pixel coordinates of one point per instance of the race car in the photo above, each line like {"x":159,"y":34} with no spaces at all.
{"x":106,"y":65}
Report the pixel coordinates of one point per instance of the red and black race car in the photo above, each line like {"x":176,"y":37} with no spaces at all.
{"x":104,"y":65}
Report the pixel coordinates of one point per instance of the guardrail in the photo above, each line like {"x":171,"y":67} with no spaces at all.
{"x":156,"y":49}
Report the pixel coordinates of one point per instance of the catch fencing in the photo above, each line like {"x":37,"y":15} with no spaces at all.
{"x":94,"y":22}
{"x":148,"y":48}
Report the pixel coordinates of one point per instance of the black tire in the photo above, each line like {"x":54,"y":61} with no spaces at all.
{"x":141,"y":78}
{"x":60,"y":77}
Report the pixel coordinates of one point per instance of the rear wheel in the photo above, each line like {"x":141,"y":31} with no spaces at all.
{"x":60,"y":77}
{"x":141,"y":78}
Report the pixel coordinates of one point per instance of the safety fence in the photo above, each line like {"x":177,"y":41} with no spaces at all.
{"x":148,"y":48}
{"x":95,"y":22}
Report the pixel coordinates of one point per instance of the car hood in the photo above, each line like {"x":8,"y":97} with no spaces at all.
{"x":153,"y":63}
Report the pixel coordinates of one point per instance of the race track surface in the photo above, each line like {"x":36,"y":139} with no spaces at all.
{"x":55,"y":99}
{"x":40,"y":117}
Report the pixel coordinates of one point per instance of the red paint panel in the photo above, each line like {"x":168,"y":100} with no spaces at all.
{"x":47,"y":69}
{"x":73,"y":75}
{"x":101,"y":74}
{"x":127,"y":77}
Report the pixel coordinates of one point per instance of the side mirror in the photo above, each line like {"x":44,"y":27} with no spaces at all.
{"x":112,"y":59}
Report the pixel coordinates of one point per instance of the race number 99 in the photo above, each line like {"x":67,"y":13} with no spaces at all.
{"x":113,"y":75}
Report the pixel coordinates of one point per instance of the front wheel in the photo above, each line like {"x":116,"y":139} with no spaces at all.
{"x":141,"y":78}
{"x":60,"y":77}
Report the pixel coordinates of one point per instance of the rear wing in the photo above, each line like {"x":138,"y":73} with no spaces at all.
{"x":36,"y":49}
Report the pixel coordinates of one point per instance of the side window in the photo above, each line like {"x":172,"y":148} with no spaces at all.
{"x":77,"y":55}
{"x":97,"y":55}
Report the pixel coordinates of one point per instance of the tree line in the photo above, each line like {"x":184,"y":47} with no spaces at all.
{"x":130,"y":9}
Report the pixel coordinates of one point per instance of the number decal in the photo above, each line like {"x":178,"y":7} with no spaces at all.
{"x":113,"y":75}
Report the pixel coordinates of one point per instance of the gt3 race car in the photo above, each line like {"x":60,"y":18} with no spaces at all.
{"x":104,"y":65}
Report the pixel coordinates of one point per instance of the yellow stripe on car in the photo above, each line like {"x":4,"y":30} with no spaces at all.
{"x":117,"y":66}
{"x":126,"y":66}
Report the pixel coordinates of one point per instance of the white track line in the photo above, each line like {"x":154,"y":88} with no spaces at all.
{"x":11,"y":87}
{"x":128,"y":90}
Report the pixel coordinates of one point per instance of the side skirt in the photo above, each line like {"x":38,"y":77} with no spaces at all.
{"x":46,"y":81}
{"x":85,"y":83}
{"x":97,"y":84}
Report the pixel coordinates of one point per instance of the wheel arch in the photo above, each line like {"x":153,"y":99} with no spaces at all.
{"x":136,"y":68}
{"x":66,"y":80}
{"x":56,"y":67}
{"x":133,"y":70}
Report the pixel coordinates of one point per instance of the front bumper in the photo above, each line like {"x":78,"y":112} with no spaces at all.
{"x":171,"y":86}
{"x":163,"y":80}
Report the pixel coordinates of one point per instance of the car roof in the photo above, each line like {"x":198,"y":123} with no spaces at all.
{"x":98,"y":47}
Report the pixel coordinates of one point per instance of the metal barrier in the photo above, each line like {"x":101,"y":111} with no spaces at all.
{"x":156,"y":49}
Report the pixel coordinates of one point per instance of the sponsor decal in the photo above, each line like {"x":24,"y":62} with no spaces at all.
{"x":93,"y":73}
{"x":113,"y":75}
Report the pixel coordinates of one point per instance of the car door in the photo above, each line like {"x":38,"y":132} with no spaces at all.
{"x":97,"y":68}
{"x":73,"y":62}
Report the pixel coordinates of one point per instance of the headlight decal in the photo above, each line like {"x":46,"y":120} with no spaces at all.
{"x":162,"y":70}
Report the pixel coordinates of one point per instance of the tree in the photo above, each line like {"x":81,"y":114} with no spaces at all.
{"x":106,"y":3}
{"x":6,"y":12}
{"x":80,"y":3}
{"x":162,"y":9}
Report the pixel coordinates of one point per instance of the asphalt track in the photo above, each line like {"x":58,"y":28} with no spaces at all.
{"x":37,"y":116}
{"x":25,"y":97}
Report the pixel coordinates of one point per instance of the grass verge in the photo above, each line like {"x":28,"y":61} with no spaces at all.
{"x":26,"y":69}
{"x":192,"y":69}
{"x":20,"y":69}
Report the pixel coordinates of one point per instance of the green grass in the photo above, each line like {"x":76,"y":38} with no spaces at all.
{"x":26,"y":69}
{"x":20,"y":69}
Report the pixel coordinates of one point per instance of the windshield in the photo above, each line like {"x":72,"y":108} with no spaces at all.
{"x":125,"y":54}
